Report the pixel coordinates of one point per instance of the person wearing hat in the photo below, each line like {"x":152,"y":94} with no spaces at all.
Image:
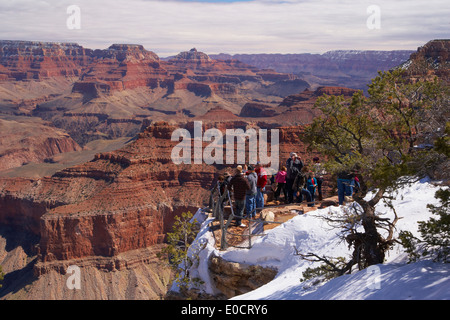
{"x":260,"y":185}
{"x":239,"y":185}
{"x":250,"y":197}
{"x":293,"y":167}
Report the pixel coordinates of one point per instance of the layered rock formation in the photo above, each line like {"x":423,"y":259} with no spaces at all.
{"x":234,"y":279}
{"x":121,"y":201}
{"x":436,"y":51}
{"x":256,"y":110}
{"x":347,"y":68}
{"x":117,"y":210}
{"x":25,"y":60}
{"x":430,"y":60}
{"x":120,"y":67}
{"x":193,"y":58}
{"x":296,"y":109}
{"x":25,"y":142}
{"x":135,"y":275}
{"x":107,"y":93}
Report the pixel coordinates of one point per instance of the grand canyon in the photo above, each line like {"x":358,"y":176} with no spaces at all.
{"x":86,"y":174}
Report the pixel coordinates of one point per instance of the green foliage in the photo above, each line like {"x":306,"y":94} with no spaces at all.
{"x":375,"y":137}
{"x":442,"y":144}
{"x":324,"y":272}
{"x":176,"y":252}
{"x":435,"y":233}
{"x":410,"y":243}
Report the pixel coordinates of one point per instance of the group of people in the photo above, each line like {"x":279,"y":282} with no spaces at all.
{"x":294,"y":179}
{"x":248,"y":186}
{"x":297,"y":181}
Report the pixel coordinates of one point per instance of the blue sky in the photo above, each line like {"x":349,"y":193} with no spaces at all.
{"x":214,"y":26}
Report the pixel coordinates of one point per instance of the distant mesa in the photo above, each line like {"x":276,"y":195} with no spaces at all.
{"x":346,"y":68}
{"x":126,"y":52}
{"x":191,"y":56}
{"x":308,"y":95}
{"x":257,"y":110}
{"x":218,"y":114}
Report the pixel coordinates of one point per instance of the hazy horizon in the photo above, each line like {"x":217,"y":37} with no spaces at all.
{"x":229,"y":26}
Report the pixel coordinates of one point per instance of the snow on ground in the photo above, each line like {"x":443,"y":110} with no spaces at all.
{"x":308,"y":233}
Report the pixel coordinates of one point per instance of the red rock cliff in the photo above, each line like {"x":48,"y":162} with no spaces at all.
{"x":139,"y":191}
{"x":37,"y":60}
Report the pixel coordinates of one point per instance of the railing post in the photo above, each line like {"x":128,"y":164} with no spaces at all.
{"x":249,"y":233}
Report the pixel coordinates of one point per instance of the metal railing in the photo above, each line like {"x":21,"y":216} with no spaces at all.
{"x":218,"y":213}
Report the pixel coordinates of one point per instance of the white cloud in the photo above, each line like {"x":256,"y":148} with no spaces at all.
{"x":288,"y":26}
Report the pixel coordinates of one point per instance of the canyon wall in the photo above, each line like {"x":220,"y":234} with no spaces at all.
{"x":122,"y":200}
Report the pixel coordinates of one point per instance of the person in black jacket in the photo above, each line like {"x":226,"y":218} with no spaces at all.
{"x":239,"y":185}
{"x":299,"y":187}
{"x":293,"y":166}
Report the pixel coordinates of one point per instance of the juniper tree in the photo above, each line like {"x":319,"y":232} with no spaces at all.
{"x":176,"y":251}
{"x":375,"y":137}
{"x":435,"y":233}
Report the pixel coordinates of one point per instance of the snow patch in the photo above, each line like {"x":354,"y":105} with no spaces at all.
{"x":309,"y":233}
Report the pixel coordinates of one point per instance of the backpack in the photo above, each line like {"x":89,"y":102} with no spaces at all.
{"x":299,"y":182}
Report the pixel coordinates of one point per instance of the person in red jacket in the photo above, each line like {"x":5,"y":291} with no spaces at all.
{"x":280,"y":180}
{"x":260,"y":185}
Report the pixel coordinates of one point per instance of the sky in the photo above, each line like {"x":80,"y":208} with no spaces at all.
{"x":227,"y":26}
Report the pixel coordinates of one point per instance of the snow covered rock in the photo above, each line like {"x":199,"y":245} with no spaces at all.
{"x":395,"y":279}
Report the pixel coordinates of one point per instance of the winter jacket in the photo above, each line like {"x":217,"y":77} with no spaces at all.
{"x":223,"y":185}
{"x":252,"y":179}
{"x":293,"y":168}
{"x":319,"y":171}
{"x":239,"y":185}
{"x":311,"y":182}
{"x":262,"y":177}
{"x":345,"y":175}
{"x":281,"y":177}
{"x":299,"y":182}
